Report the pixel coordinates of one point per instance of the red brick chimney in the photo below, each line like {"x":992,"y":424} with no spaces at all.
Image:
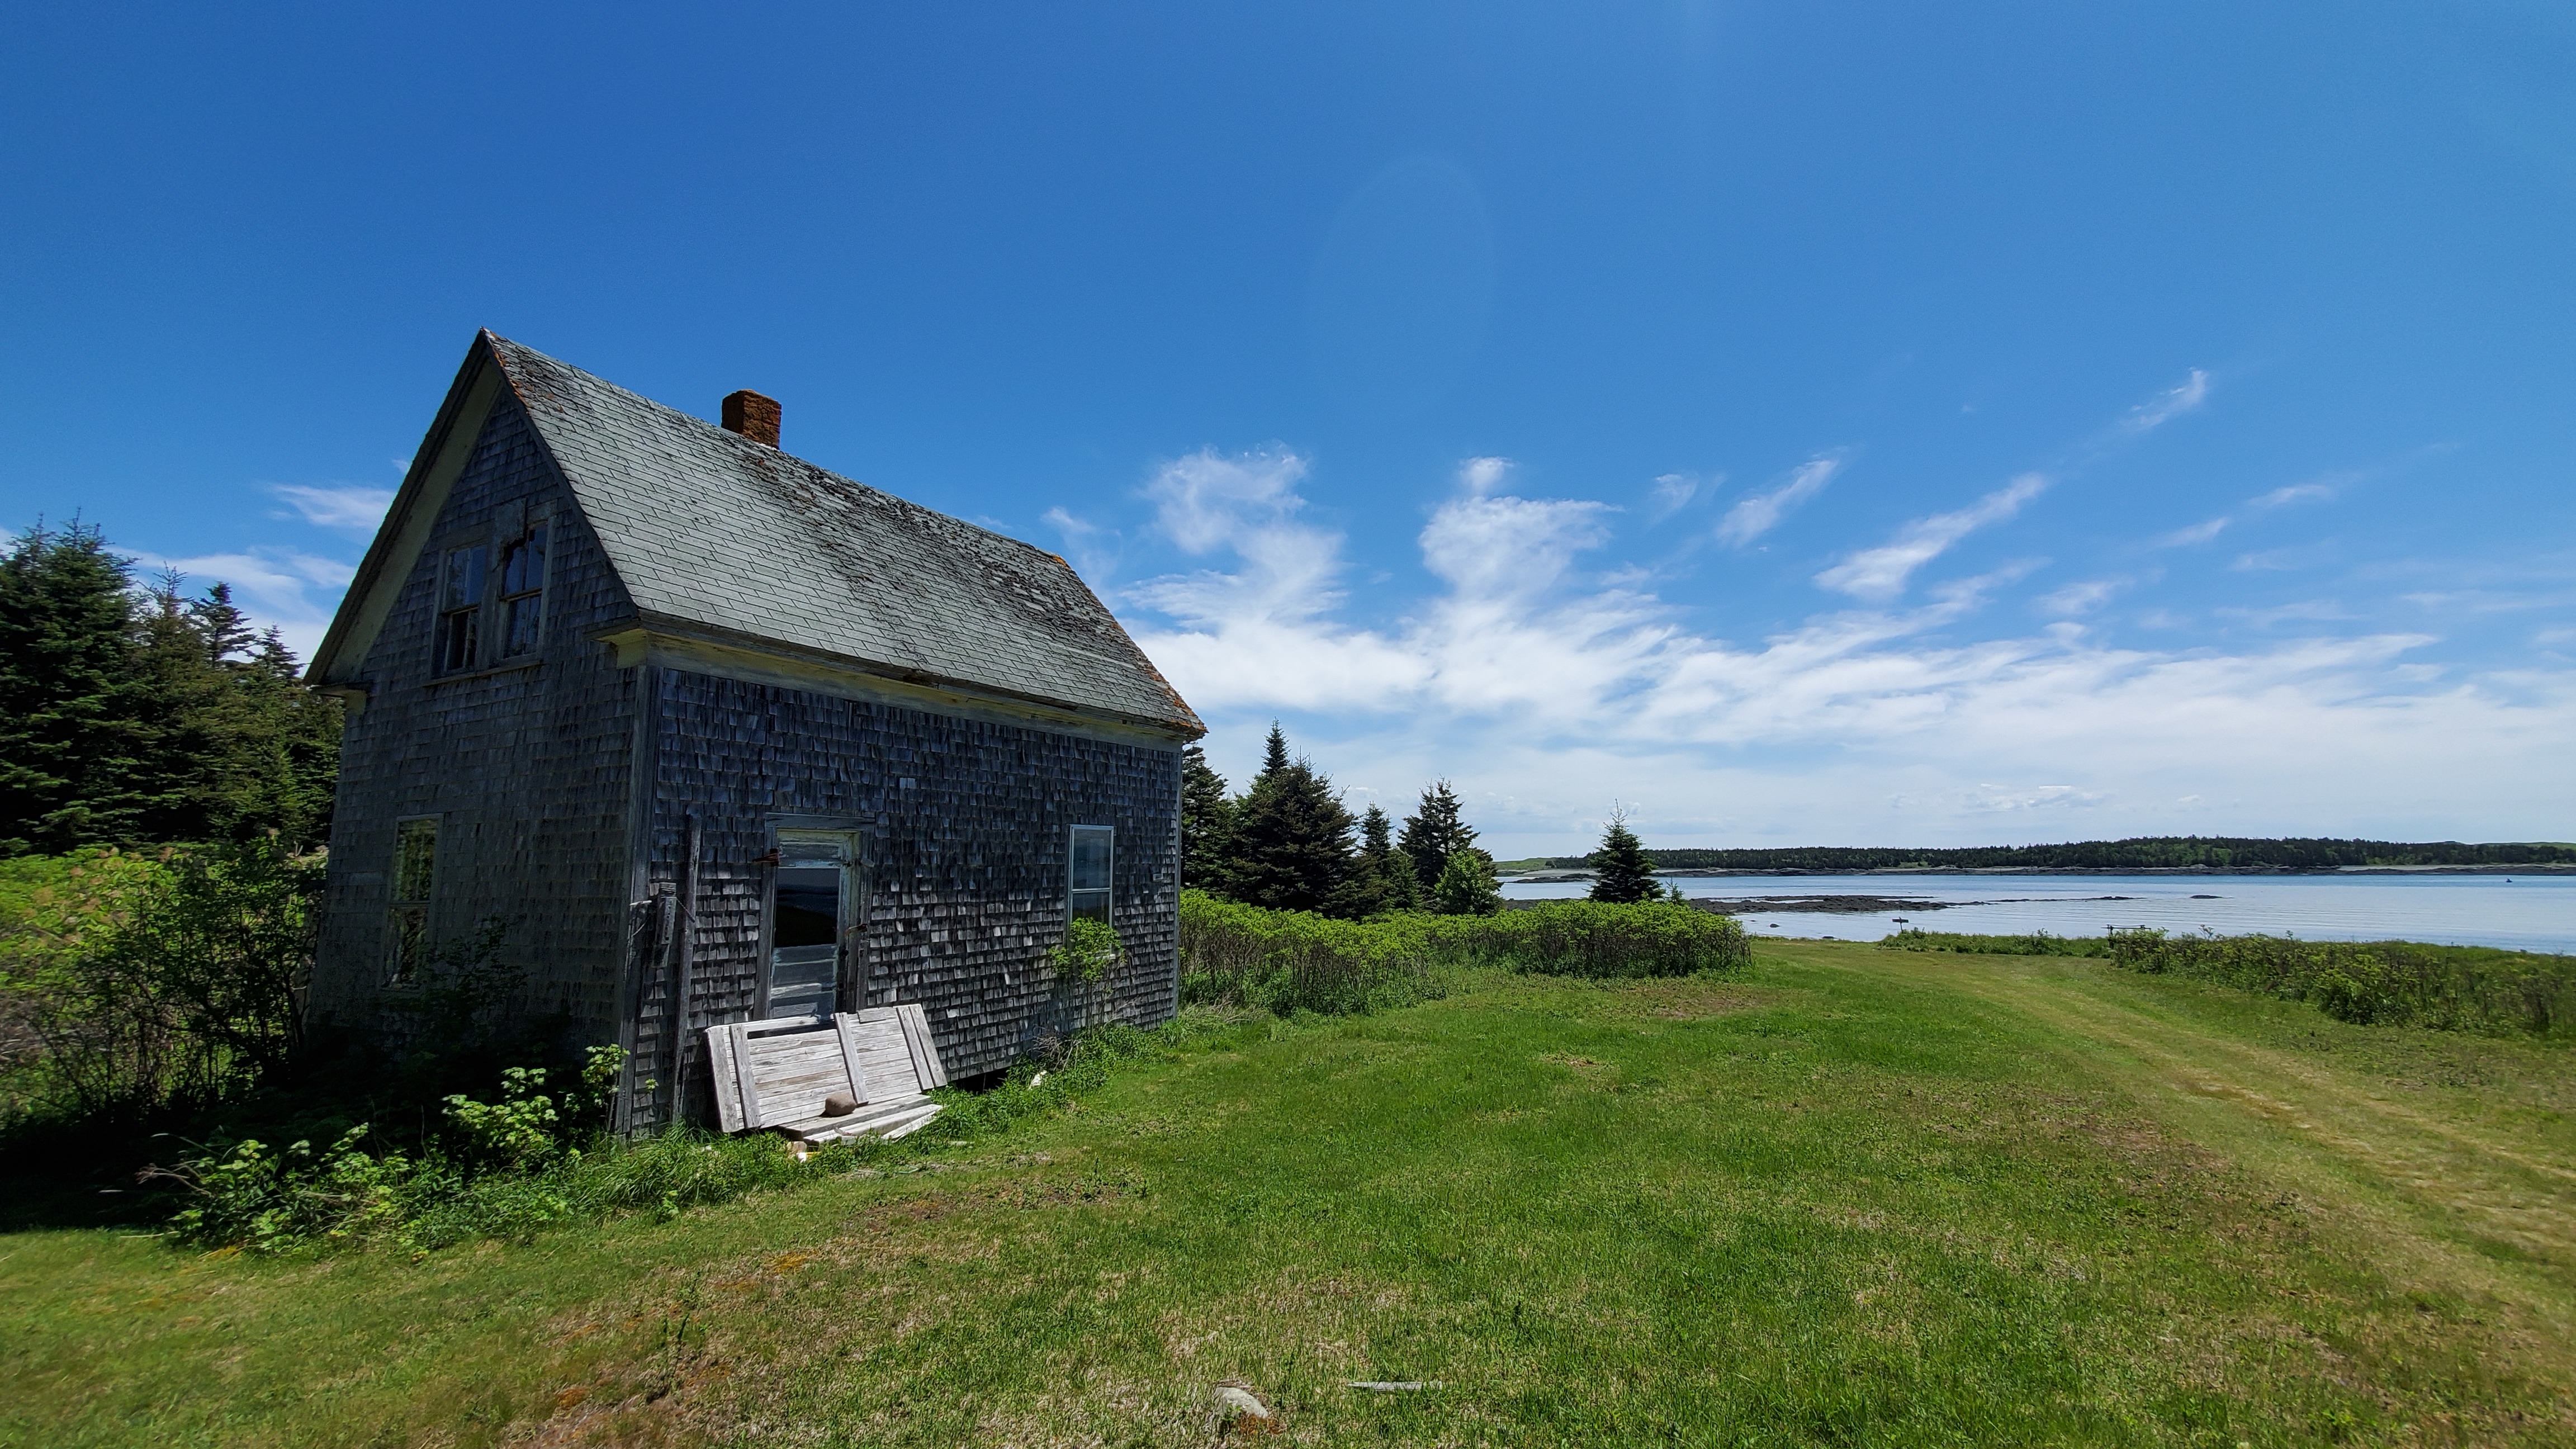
{"x":755,"y":417}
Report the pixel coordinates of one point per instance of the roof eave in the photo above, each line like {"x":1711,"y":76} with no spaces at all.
{"x":1184,"y":727}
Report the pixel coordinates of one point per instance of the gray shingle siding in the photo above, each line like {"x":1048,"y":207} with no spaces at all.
{"x":525,"y":767}
{"x":965,"y":872}
{"x":561,"y":786}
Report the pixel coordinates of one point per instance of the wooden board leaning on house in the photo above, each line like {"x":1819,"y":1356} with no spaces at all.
{"x":775,"y":1076}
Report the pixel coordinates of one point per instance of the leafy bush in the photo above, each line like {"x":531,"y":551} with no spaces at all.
{"x":1292,"y":960}
{"x":174,"y":977}
{"x":2448,"y":988}
{"x":1602,"y":939}
{"x":1466,"y":885}
{"x":2036,"y":943}
{"x":1089,"y":948}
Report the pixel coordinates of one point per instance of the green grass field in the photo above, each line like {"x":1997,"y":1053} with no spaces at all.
{"x":1857,"y":1197}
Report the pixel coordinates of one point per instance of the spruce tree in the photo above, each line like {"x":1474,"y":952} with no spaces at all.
{"x":1291,"y":847}
{"x":145,"y":717}
{"x":1467,"y":886}
{"x":1207,"y":823}
{"x":1622,"y":873}
{"x":1382,"y":878}
{"x":1434,"y":833}
{"x":69,"y":705}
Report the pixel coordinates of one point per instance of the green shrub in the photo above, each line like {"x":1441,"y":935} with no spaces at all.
{"x":530,"y":1161}
{"x":178,"y":977}
{"x":1089,"y":948}
{"x":1292,"y":960}
{"x":2036,"y":943}
{"x":2448,"y":988}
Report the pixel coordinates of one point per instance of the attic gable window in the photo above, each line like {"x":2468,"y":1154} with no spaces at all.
{"x":523,"y":592}
{"x":460,"y":609}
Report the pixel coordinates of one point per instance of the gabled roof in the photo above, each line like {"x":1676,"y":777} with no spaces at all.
{"x":716,"y":536}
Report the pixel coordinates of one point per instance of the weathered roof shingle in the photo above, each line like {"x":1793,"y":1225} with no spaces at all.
{"x":709,"y":529}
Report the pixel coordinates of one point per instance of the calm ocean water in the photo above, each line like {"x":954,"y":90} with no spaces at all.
{"x":2532,"y":913}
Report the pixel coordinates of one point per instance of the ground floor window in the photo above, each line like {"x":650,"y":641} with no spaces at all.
{"x":1087,"y":882}
{"x":415,"y":875}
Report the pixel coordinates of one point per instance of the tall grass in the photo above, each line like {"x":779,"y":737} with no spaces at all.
{"x":2410,"y":983}
{"x":1292,"y":960}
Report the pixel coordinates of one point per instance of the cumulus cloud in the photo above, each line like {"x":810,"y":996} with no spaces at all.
{"x":1753,"y":517}
{"x":1545,"y":687}
{"x":1879,"y":574}
{"x":350,"y":506}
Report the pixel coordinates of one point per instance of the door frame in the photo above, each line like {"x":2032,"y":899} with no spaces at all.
{"x":850,"y":963}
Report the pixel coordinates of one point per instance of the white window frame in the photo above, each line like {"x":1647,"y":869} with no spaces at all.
{"x":1107,"y":889}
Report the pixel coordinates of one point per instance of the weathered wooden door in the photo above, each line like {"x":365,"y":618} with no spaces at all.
{"x":811,"y":913}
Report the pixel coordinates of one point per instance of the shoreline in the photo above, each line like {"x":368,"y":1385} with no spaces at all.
{"x":1568,"y":877}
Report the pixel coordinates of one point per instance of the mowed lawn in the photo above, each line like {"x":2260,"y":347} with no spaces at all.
{"x":1858,"y":1197}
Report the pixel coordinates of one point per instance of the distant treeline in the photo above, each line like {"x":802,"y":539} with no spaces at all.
{"x":2146,"y":852}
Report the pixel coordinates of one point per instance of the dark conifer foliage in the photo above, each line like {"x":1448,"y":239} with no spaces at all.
{"x":1434,"y":833}
{"x":138,"y":717}
{"x":1207,"y":823}
{"x":1382,"y":878}
{"x":1292,"y":838}
{"x":1622,"y":872}
{"x":70,"y":706}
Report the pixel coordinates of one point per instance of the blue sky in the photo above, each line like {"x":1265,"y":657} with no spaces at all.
{"x":1802,"y":423}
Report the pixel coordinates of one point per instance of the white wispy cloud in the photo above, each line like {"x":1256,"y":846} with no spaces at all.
{"x":2260,"y":503}
{"x":351,"y":506}
{"x":2080,"y":598}
{"x":2168,"y":405}
{"x":294,"y":591}
{"x":1094,"y":548}
{"x":2282,"y":560}
{"x":1674,"y":491}
{"x":2196,"y":533}
{"x":1545,"y":687}
{"x":2295,"y":493}
{"x":2300,"y":611}
{"x":1879,"y":574}
{"x":1753,"y":517}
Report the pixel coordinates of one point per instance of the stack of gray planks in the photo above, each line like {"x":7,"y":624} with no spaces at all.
{"x":777,"y":1076}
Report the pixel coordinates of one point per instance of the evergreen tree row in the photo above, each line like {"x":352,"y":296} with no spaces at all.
{"x":1288,"y":843}
{"x":132,"y":715}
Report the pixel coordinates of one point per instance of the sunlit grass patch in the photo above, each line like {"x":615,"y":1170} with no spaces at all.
{"x":1855,"y":1197}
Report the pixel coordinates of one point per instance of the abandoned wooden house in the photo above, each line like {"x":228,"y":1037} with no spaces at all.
{"x":718,"y":736}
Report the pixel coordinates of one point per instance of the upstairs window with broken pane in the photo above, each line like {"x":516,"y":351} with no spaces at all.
{"x":460,"y":608}
{"x":523,"y":593}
